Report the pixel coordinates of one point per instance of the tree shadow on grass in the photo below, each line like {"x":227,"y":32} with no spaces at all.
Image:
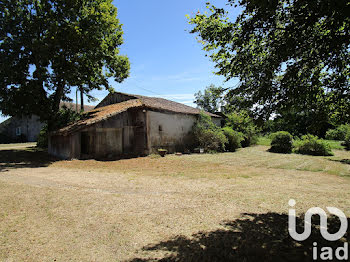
{"x":253,"y":237}
{"x":343,"y":161}
{"x":29,"y":157}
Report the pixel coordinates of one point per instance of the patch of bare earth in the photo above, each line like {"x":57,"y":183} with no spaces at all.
{"x":152,"y":207}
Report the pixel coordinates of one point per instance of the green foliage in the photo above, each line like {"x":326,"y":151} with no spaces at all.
{"x":208,"y":135}
{"x":338,"y":133}
{"x":334,"y":134}
{"x":335,"y":144}
{"x":243,"y":123}
{"x":286,"y":55}
{"x":300,"y":122}
{"x":347,"y":141}
{"x":234,"y":139}
{"x":47,"y":47}
{"x":311,"y":145}
{"x":65,"y":116}
{"x":282,"y":142}
{"x":43,"y":137}
{"x":211,"y":99}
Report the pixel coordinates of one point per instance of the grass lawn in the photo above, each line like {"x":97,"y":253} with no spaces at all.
{"x":265,"y":141}
{"x":208,"y":207}
{"x":17,"y":145}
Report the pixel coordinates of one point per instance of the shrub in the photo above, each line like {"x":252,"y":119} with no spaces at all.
{"x":212,"y":141}
{"x":311,"y":145}
{"x":43,"y":137}
{"x":333,"y":134}
{"x":208,"y":135}
{"x":242,"y":122}
{"x":347,"y":141}
{"x":250,"y":137}
{"x":282,"y":142}
{"x":234,"y":139}
{"x":338,"y":133}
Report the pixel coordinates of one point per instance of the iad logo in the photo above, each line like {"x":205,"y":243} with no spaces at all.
{"x":341,"y":253}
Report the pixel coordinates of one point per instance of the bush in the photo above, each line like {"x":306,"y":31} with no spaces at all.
{"x":311,"y":145}
{"x":347,"y":141}
{"x":43,"y":137}
{"x":243,"y":123}
{"x":282,"y":142}
{"x":234,"y":139}
{"x":250,"y":137}
{"x":212,"y":141}
{"x":208,"y":135}
{"x":338,"y":133}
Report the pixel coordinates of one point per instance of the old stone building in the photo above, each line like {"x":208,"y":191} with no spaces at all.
{"x":27,"y":128}
{"x":125,"y":125}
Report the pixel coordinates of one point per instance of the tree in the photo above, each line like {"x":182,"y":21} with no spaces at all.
{"x":211,"y":99}
{"x":241,"y":122}
{"x":64,"y":117}
{"x":284,"y":53}
{"x":49,"y":46}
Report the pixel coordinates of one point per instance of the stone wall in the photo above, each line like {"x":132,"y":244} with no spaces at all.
{"x":27,"y":127}
{"x":169,"y":131}
{"x":120,"y":136}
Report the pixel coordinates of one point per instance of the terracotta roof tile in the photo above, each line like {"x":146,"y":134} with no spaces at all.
{"x":167,"y":105}
{"x":73,"y":106}
{"x":161,"y":104}
{"x":101,"y":113}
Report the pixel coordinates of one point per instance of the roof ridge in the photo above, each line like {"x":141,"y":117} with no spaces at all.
{"x":164,"y":99}
{"x":94,"y":117}
{"x":154,"y":103}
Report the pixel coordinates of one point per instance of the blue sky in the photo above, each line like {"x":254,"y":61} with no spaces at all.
{"x":166,"y":60}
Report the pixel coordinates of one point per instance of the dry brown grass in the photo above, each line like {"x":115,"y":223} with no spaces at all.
{"x":108,"y":211}
{"x":17,"y":145}
{"x":246,"y":162}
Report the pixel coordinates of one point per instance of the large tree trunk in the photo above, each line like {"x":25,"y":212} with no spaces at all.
{"x":56,"y":105}
{"x":58,"y":97}
{"x":81,"y":100}
{"x":76,"y":100}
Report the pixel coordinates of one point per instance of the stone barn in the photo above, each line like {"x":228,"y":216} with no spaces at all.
{"x":27,"y":128}
{"x":124,"y":125}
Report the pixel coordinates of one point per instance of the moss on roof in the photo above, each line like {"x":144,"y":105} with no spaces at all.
{"x":102,"y":113}
{"x":99,"y":114}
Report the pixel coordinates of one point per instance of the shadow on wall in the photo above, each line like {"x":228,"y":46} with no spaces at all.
{"x":30,"y":157}
{"x":253,"y":237}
